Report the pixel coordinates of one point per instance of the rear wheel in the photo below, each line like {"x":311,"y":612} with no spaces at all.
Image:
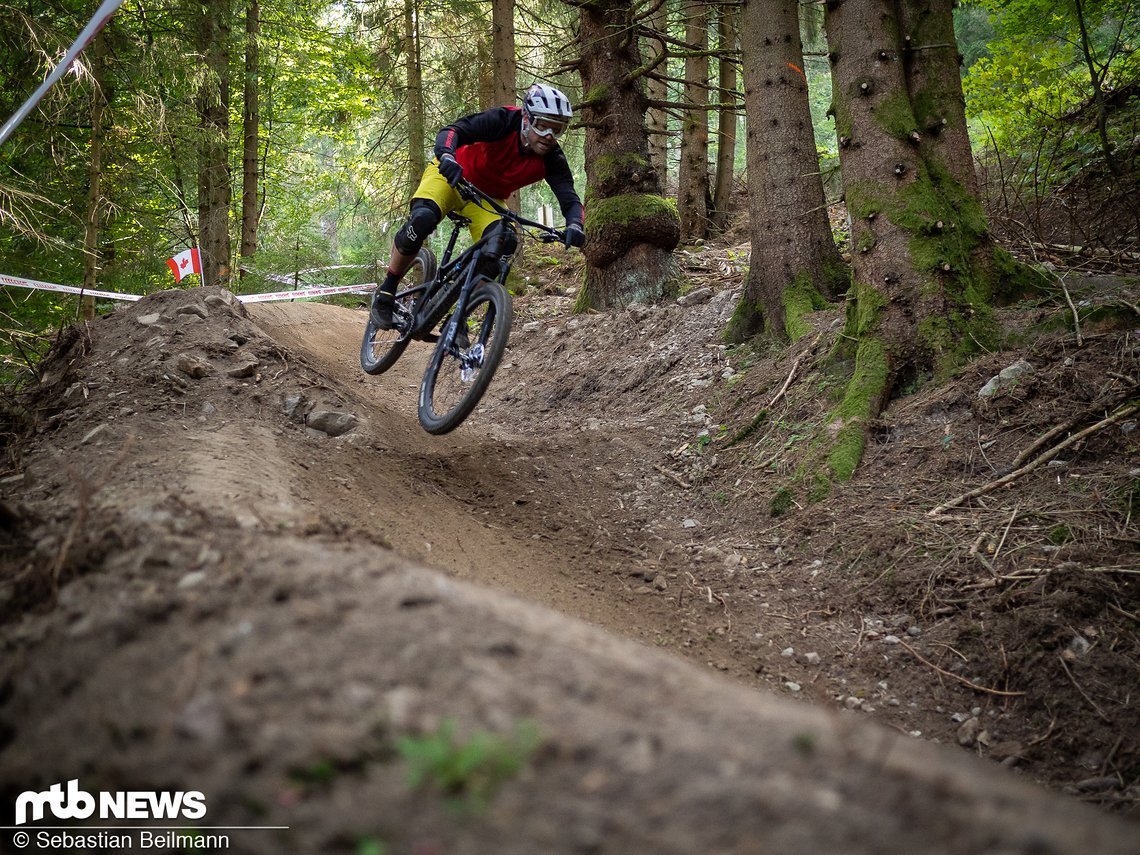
{"x":381,"y":348}
{"x":457,"y":377}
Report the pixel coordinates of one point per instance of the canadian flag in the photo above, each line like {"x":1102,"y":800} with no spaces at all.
{"x":186,"y":262}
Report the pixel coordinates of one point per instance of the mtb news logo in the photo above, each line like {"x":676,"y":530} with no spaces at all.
{"x":75,"y":803}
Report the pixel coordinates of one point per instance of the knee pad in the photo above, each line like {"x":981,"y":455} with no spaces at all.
{"x":424,"y":217}
{"x":501,"y":239}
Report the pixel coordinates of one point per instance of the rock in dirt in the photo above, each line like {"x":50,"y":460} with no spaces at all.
{"x":1006,"y":378}
{"x":331,"y":422}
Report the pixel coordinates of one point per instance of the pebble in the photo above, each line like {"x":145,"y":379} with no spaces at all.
{"x":792,"y":687}
{"x":811,"y":658}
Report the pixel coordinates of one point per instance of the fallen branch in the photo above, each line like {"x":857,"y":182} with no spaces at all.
{"x":673,"y":476}
{"x":1038,"y":461}
{"x":1114,"y":401}
{"x":953,"y":676}
{"x":1084,"y":695}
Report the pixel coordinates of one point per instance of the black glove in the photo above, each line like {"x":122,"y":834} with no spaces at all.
{"x":575,"y":236}
{"x":450,"y":169}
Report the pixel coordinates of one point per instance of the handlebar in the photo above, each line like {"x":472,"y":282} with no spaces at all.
{"x":473,"y":194}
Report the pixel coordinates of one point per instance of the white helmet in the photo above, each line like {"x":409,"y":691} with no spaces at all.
{"x":547,"y":110}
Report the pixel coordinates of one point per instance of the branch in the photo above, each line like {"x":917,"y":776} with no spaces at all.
{"x":1029,"y":467}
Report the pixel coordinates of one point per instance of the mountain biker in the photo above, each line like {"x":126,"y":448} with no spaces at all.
{"x":499,"y":151}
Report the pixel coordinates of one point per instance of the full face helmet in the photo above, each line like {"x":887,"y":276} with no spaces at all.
{"x":546,"y":110}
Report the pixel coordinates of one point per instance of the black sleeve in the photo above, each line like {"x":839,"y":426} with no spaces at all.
{"x":488,"y":126}
{"x":561,"y":181}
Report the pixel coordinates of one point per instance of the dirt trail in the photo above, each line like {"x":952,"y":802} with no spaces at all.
{"x":202,"y":591}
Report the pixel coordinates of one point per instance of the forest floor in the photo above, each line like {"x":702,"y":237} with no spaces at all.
{"x":200,"y":590}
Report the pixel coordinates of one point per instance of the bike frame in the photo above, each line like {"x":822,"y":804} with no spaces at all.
{"x":433,"y":298}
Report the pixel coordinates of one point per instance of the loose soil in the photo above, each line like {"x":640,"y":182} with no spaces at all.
{"x":612,"y":568}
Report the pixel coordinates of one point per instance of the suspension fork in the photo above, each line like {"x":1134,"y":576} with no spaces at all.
{"x":459,"y":310}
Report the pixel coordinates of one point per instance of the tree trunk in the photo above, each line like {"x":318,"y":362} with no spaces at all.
{"x":505,"y":85}
{"x":414,"y":97}
{"x":95,"y":202}
{"x":630,"y":229}
{"x":214,"y":188}
{"x":658,"y":90}
{"x":921,"y":297}
{"x":727,"y":29}
{"x":251,"y":119}
{"x":693,"y":175}
{"x":794,"y":262}
{"x":1096,"y":81}
{"x":503,"y":47}
{"x":934,"y":86}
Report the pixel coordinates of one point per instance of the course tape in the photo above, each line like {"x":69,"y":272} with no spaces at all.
{"x":20,"y":282}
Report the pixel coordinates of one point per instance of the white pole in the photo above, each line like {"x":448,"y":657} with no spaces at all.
{"x":102,"y":15}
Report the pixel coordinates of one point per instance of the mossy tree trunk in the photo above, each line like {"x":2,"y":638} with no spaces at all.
{"x":795,"y":263}
{"x":630,"y":229}
{"x":934,"y":82}
{"x":693,"y":174}
{"x":921,"y":253}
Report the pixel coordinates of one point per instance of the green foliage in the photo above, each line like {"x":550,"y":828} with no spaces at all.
{"x":467,"y":771}
{"x":1033,"y":76}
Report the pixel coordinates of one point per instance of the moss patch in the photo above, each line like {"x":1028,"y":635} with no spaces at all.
{"x":896,"y":116}
{"x":746,"y":322}
{"x":864,"y":390}
{"x":800,"y":299}
{"x":627,"y":208}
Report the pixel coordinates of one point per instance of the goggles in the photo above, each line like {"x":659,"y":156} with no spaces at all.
{"x":546,"y":127}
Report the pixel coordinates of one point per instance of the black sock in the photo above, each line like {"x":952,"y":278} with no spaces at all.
{"x":391,"y":281}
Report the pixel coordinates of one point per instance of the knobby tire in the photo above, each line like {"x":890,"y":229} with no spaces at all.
{"x":380,"y":349}
{"x":446,"y":396}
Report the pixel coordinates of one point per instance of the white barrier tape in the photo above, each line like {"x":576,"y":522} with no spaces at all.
{"x":307,"y":292}
{"x":20,"y":282}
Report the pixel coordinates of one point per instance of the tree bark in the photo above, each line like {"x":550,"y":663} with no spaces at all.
{"x":657,"y":90}
{"x":214,"y":187}
{"x":505,"y":84}
{"x":693,"y":174}
{"x":251,"y":136}
{"x":630,"y":229}
{"x":503,"y":47}
{"x":934,"y":86}
{"x":414,"y":96}
{"x":727,"y":31}
{"x":794,"y":263}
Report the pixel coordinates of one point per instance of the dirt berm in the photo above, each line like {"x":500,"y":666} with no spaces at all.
{"x":201,"y":591}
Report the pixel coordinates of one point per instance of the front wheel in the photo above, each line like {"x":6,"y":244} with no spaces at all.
{"x":458,"y":375}
{"x":381,"y":348}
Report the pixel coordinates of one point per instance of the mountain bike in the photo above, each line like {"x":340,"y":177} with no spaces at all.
{"x":475,"y":311}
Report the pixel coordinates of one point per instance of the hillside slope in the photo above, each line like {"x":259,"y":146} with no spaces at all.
{"x":201,"y":590}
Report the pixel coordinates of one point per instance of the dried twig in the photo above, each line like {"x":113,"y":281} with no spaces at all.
{"x":953,"y":676}
{"x":1073,"y":309}
{"x":1084,"y":694}
{"x":1029,"y":467}
{"x":673,"y":476}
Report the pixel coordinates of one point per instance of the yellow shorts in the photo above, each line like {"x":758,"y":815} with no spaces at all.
{"x":435,"y":187}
